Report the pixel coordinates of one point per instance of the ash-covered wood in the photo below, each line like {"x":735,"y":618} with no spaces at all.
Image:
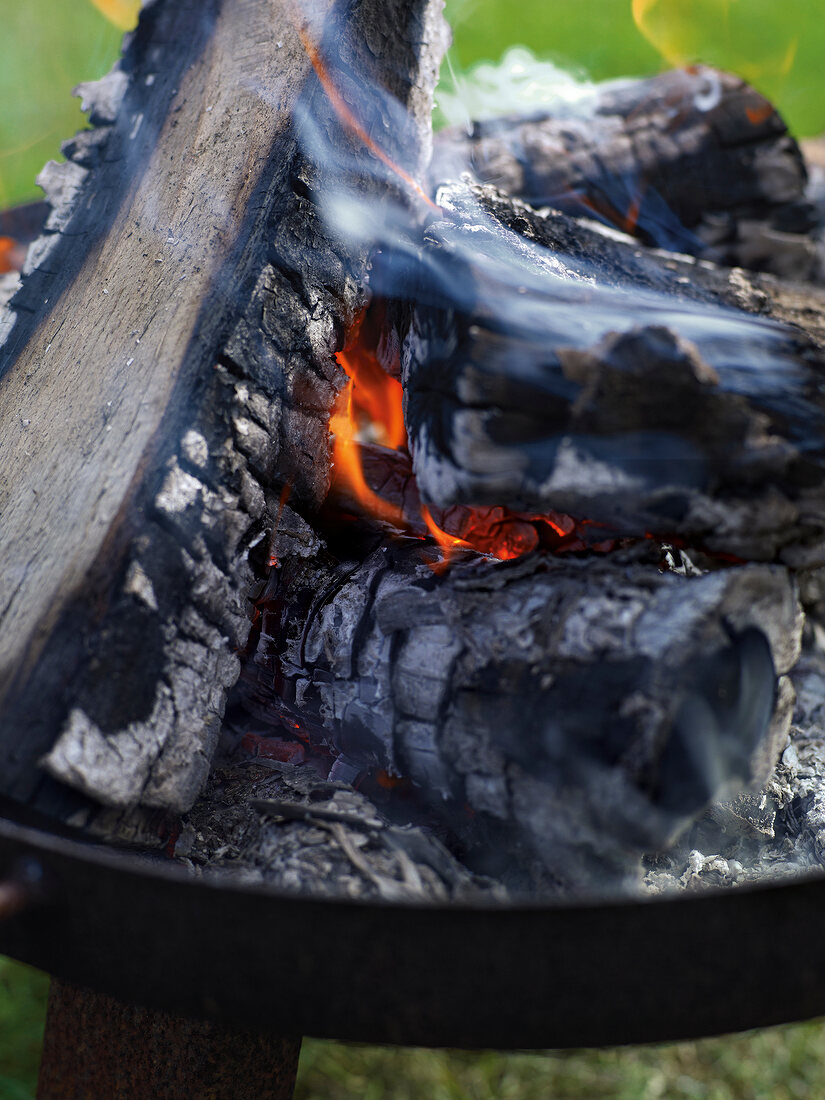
{"x":769,"y":834}
{"x":584,"y":709}
{"x":695,"y":161}
{"x":293,"y":830}
{"x":548,"y":366}
{"x":168,"y":359}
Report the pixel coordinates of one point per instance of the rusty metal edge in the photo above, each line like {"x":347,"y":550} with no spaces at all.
{"x":522,"y":977}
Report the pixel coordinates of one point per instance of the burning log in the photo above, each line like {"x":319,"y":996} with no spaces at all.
{"x":546,"y":366}
{"x":695,"y":161}
{"x":588,"y":708}
{"x":159,"y":375}
{"x":196,"y":301}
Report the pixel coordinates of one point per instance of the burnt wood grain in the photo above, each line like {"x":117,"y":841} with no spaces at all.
{"x":159,"y":376}
{"x":693,"y":160}
{"x":547,"y":365}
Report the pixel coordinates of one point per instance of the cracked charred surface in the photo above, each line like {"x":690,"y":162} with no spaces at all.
{"x":159,"y":381}
{"x":584,"y":709}
{"x":692,"y":160}
{"x":646,"y":391}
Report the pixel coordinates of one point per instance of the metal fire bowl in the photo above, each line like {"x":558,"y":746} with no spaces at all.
{"x":529,"y":976}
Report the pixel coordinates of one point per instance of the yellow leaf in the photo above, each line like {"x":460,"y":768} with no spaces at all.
{"x":123,"y":13}
{"x":727,"y":33}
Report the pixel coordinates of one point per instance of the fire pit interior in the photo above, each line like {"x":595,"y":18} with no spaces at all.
{"x":422,"y":519}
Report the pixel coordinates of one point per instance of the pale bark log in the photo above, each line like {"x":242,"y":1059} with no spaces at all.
{"x":161,"y":376}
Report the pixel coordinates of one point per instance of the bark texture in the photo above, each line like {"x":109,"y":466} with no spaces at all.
{"x":167,"y":363}
{"x":695,"y":161}
{"x":548,"y":366}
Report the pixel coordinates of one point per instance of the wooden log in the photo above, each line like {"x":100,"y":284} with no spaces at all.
{"x":588,"y":708}
{"x":96,"y":1046}
{"x":167,"y":362}
{"x":549,"y":366}
{"x":495,"y":530}
{"x":693,"y":160}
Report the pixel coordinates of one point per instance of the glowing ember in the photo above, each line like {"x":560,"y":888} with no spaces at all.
{"x":273,"y":748}
{"x":628,"y":222}
{"x":272,"y":561}
{"x":11,"y":255}
{"x":369,"y":411}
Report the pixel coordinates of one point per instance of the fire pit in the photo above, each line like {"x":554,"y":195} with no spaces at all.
{"x":417,"y":554}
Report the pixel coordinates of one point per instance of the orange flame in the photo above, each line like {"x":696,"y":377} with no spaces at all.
{"x":371,"y":405}
{"x":448,"y":543}
{"x":123,"y":13}
{"x":377,"y":398}
{"x":361,"y":394}
{"x":370,"y":409}
{"x":349,"y":120}
{"x":272,"y":560}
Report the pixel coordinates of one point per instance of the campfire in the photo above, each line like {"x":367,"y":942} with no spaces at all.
{"x":449,"y":523}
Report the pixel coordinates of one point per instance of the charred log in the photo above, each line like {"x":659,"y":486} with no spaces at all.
{"x":546,"y":366}
{"x":694,"y":161}
{"x":159,"y":376}
{"x":588,"y":708}
{"x":496,"y":530}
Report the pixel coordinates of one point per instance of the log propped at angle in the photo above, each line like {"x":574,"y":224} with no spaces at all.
{"x":590,"y":707}
{"x":167,"y":362}
{"x":694,"y":161}
{"x":547,"y":365}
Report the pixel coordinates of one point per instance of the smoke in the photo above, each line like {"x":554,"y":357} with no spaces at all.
{"x":520,"y":83}
{"x":473,"y":265}
{"x":450,"y":253}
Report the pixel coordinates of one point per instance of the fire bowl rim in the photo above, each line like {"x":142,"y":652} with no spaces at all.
{"x":526,"y":976}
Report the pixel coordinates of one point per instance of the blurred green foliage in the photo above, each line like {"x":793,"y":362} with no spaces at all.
{"x":22,"y":1014}
{"x":600,"y":39}
{"x":785,"y":1063}
{"x":48,"y":46}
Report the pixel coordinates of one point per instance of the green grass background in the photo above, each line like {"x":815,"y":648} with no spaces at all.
{"x":46,"y":47}
{"x":786,"y":1063}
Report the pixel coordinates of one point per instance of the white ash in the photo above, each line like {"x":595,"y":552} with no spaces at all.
{"x":9,"y":285}
{"x":195,"y":448}
{"x":39,"y":251}
{"x":286,"y":828}
{"x":773,"y":833}
{"x":138,"y":584}
{"x":61,"y":184}
{"x":180,"y":490}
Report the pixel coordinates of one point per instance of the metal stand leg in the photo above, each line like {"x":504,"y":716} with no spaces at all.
{"x":96,"y":1048}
